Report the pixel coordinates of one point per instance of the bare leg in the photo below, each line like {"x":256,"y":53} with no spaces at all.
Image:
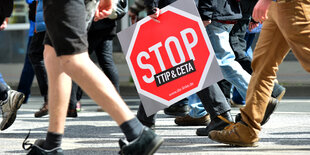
{"x":58,"y":92}
{"x":93,"y":81}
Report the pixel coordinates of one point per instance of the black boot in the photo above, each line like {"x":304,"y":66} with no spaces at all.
{"x":271,"y":107}
{"x":217,"y":123}
{"x":180,"y":108}
{"x":147,"y":143}
{"x":36,"y":148}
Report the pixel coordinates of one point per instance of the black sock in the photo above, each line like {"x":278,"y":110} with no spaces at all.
{"x":131,"y":129}
{"x":52,"y":140}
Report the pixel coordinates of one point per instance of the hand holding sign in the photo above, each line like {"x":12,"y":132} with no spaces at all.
{"x":156,"y":15}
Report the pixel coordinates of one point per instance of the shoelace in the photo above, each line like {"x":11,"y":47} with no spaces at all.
{"x":225,"y":120}
{"x":229,"y":127}
{"x":26,"y":142}
{"x":231,"y":124}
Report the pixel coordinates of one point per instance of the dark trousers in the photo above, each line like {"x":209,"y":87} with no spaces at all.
{"x":103,"y":47}
{"x":225,"y":86}
{"x":214,"y":100}
{"x":238,"y":44}
{"x":27,"y":75}
{"x":211,"y":97}
{"x":76,"y":95}
{"x":36,"y":58}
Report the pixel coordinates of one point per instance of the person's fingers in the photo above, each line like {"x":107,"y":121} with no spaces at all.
{"x":156,"y":15}
{"x":106,"y":13}
{"x":154,"y":19}
{"x":100,"y":15}
{"x":96,"y":15}
{"x":206,"y":22}
{"x":158,"y":12}
{"x":102,"y":12}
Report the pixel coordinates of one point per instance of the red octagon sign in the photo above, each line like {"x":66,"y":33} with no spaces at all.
{"x":169,"y":60}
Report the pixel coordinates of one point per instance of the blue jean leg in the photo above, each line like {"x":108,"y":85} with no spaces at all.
{"x":231,"y":69}
{"x":197,"y":109}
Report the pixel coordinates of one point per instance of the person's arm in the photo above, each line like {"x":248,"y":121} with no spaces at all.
{"x":4,"y":24}
{"x":260,"y":10}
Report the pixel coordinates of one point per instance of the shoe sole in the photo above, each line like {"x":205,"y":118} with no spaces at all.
{"x":206,"y":133}
{"x":152,"y":148}
{"x":176,"y":114}
{"x":201,"y":133}
{"x":235,"y":144}
{"x":244,"y":145}
{"x":40,"y":115}
{"x":12,"y":115}
{"x":192,"y":124}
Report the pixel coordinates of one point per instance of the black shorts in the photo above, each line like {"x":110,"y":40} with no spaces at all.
{"x":65,"y":26}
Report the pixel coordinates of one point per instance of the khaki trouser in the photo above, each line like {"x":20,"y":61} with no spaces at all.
{"x":287,"y":27}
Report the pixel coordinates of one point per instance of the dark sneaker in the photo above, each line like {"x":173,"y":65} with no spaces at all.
{"x":278,"y":92}
{"x":191,"y":121}
{"x":180,"y":108}
{"x":237,"y":134}
{"x":42,"y":111}
{"x":218,"y":123}
{"x":146,"y":144}
{"x":238,"y":117}
{"x":72,"y":113}
{"x":9,"y":108}
{"x":271,"y":107}
{"x":36,"y":148}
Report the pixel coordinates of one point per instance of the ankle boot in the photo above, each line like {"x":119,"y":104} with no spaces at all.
{"x":217,"y":123}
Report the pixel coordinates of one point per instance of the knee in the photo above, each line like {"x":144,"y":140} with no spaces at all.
{"x":70,"y":63}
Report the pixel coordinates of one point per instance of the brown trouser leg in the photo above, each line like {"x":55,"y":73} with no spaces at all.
{"x":287,"y":26}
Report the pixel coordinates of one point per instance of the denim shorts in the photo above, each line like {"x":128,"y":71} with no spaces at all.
{"x":65,"y":26}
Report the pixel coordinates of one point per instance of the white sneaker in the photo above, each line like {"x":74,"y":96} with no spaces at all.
{"x":10,"y":107}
